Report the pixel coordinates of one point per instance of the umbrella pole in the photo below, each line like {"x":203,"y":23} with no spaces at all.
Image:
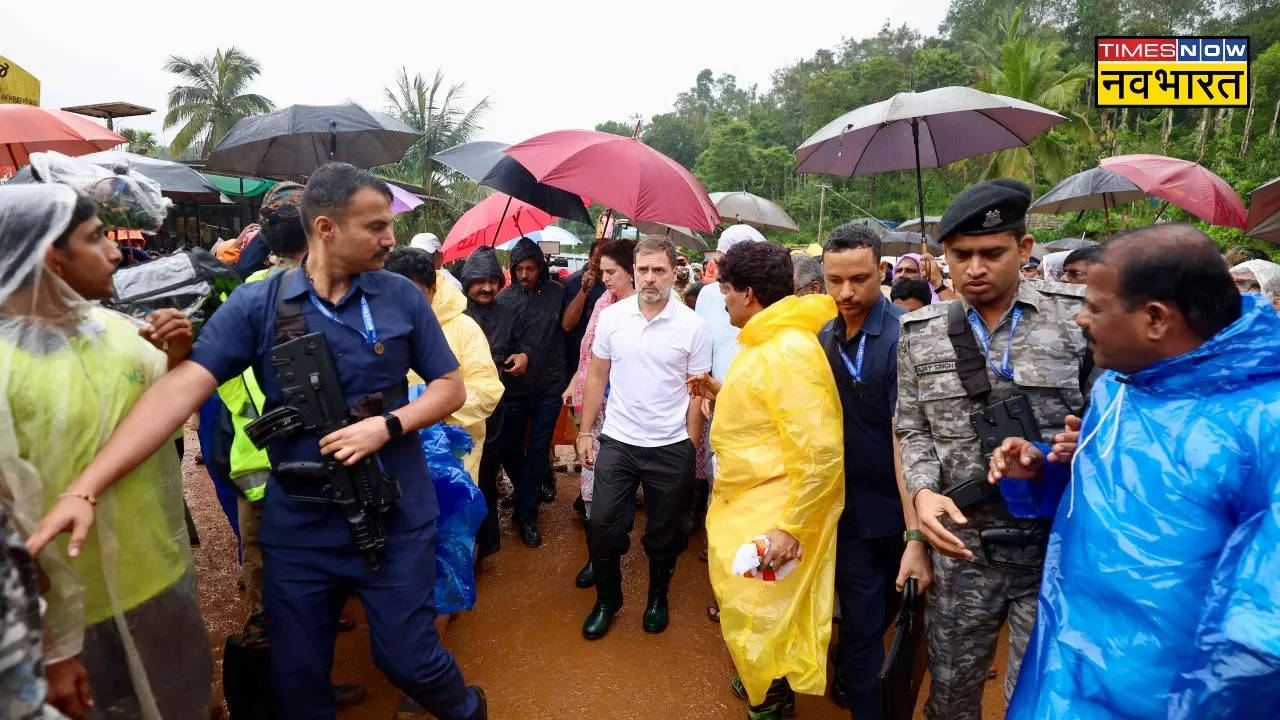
{"x":1160,"y":212}
{"x":915,"y":140}
{"x":608,"y":215}
{"x":1107,"y":212}
{"x":501,"y":217}
{"x":822,"y":202}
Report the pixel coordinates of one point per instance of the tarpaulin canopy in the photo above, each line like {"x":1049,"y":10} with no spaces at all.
{"x":252,"y":187}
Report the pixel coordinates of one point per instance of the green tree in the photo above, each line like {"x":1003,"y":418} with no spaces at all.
{"x":939,"y":67}
{"x":213,"y":100}
{"x":675,"y":136}
{"x":141,"y":142}
{"x":828,"y":96}
{"x":614,"y":127}
{"x":436,"y":112}
{"x":881,"y":77}
{"x":1030,"y":69}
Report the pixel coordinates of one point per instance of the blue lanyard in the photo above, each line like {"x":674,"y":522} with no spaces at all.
{"x":1005,"y":370}
{"x":370,"y":333}
{"x":855,"y":368}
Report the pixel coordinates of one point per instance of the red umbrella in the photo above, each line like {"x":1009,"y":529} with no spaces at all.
{"x":620,"y":172}
{"x":25,"y":129}
{"x":498,"y":219}
{"x":1183,"y":183}
{"x":1264,"y":212}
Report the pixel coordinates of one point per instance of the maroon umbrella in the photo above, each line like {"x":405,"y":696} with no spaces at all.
{"x":1264,"y":212}
{"x":621,"y":173}
{"x":1182,"y":183}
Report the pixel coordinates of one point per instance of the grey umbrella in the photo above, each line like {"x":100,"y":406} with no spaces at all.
{"x":176,"y":180}
{"x":1089,"y":190}
{"x":931,"y":223}
{"x":295,"y":140}
{"x":898,"y":243}
{"x":758,"y":212}
{"x":1069,"y":244}
{"x":678,"y":234}
{"x":922,"y":130}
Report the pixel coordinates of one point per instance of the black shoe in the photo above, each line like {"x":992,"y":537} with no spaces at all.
{"x":529,"y":534}
{"x":482,"y":710}
{"x":547,"y":493}
{"x":344,"y":696}
{"x":839,"y":695}
{"x":586,"y":576}
{"x":608,"y":576}
{"x":779,"y":702}
{"x":656,"y":616}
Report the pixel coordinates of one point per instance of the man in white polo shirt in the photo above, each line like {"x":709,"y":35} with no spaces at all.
{"x":645,"y":348}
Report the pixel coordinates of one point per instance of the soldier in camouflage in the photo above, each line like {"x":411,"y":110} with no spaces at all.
{"x":1033,"y":348}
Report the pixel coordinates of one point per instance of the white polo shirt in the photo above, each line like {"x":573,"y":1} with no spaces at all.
{"x":649,"y":363}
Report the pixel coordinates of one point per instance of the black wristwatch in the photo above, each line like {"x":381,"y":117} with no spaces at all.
{"x":394,"y":428}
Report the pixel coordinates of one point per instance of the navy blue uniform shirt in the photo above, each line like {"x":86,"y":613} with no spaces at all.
{"x":872,"y":507}
{"x":241,"y":334}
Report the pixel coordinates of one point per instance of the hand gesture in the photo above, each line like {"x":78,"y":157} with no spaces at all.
{"x":170,"y":331}
{"x":1016,"y":458}
{"x":930,"y":507}
{"x":357,"y":441}
{"x":1064,"y":443}
{"x":516,"y":364}
{"x":70,"y":513}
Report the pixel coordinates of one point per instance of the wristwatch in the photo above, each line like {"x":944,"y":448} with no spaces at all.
{"x":909,"y":535}
{"x":394,"y":428}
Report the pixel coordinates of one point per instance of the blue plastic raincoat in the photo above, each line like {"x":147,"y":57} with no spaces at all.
{"x":1161,"y":593}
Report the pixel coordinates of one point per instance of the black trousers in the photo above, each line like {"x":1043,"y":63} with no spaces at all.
{"x":865,"y":572}
{"x":489,"y":537}
{"x":665,"y":473}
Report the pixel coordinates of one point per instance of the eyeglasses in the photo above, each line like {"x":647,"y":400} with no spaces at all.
{"x":1245,"y":286}
{"x":1076,"y":274}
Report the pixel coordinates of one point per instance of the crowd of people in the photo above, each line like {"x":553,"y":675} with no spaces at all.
{"x":1082,"y":448}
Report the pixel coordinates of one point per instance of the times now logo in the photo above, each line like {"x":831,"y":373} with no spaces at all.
{"x":1181,"y":49}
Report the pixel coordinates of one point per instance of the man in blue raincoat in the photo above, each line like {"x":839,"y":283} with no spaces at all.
{"x":1161,"y":591}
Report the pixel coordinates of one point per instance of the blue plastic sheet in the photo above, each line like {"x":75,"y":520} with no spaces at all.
{"x":1161,"y":590}
{"x":462,"y":509}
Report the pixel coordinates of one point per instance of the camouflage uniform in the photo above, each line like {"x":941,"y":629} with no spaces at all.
{"x":22,"y":675}
{"x":969,"y":601}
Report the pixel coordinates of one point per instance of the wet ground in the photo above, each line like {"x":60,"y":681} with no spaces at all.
{"x":523,"y":641}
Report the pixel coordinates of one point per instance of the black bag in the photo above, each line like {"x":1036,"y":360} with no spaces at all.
{"x":192,"y":281}
{"x":904,"y":664}
{"x":246,"y":680}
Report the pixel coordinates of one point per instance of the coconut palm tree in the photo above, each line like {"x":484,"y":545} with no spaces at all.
{"x":214,"y":99}
{"x":141,"y":142}
{"x":434,"y":110}
{"x":1030,"y":68}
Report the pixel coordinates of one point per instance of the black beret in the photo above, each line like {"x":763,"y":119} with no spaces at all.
{"x":987,"y":208}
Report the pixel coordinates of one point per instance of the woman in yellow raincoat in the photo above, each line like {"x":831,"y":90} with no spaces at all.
{"x":779,"y":473}
{"x":466,"y":340}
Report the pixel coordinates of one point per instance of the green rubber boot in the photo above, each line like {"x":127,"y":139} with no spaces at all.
{"x":608,"y":577}
{"x":656,"y":615}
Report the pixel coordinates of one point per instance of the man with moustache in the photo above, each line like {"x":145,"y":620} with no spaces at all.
{"x":1008,"y":349}
{"x":646,"y":348}
{"x":878,"y":546}
{"x":378,"y":326}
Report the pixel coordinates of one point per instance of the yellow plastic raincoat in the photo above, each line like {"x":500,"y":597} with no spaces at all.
{"x":475,"y":361}
{"x":777,"y":435}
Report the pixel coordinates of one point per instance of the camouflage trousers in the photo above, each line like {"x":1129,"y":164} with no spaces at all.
{"x":967,"y":605}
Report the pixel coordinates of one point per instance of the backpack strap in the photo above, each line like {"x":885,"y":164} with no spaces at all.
{"x":290,"y":325}
{"x":971,"y":365}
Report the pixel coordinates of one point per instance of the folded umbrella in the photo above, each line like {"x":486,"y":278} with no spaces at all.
{"x":295,"y":140}
{"x":25,"y":129}
{"x":1264,"y":212}
{"x":744,"y":207}
{"x":1183,"y":183}
{"x":487,"y":163}
{"x":494,"y":221}
{"x":621,"y":173}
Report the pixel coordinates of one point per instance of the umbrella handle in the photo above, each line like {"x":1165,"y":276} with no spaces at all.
{"x":333,"y":139}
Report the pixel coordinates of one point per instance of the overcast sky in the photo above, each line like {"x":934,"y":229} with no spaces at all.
{"x":544,"y":65}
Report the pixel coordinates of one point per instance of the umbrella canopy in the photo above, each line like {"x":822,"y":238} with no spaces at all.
{"x":743,"y":207}
{"x":620,"y":172}
{"x":487,"y":163}
{"x":176,"y":180}
{"x":1264,"y":212}
{"x":402,"y":200}
{"x":900,"y":243}
{"x":1094,"y":189}
{"x":494,"y":221}
{"x":1182,"y":183}
{"x":295,"y":140}
{"x":1069,"y":244}
{"x":930,"y":226}
{"x":678,"y":234}
{"x":550,"y":233}
{"x":25,"y":129}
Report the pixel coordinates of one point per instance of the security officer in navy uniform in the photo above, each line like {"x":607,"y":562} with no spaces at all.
{"x":378,"y":327}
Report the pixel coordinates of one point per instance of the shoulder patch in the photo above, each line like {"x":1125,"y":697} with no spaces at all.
{"x":938,"y":309}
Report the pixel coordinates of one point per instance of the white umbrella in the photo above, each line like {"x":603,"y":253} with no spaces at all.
{"x":744,"y":207}
{"x":922,"y":130}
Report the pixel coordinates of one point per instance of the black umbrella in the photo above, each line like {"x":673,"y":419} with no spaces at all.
{"x":900,"y":243}
{"x":176,"y":180}
{"x":487,"y":163}
{"x":296,"y":140}
{"x":1096,"y":188}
